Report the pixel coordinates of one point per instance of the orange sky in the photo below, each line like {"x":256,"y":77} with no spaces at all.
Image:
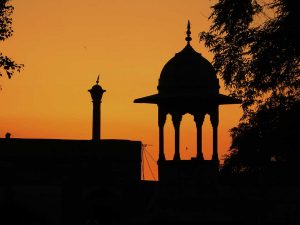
{"x":65,"y":44}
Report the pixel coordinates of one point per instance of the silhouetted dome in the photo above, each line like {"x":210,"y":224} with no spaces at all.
{"x":97,"y":88}
{"x":97,"y":91}
{"x":188,"y":79}
{"x":188,"y":73}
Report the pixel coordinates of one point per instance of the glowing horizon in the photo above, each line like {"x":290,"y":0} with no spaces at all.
{"x":66,"y":44}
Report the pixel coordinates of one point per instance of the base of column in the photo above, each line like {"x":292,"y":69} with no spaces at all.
{"x":176,"y":157}
{"x":200,"y":156}
{"x":161,"y":159}
{"x":215,"y":158}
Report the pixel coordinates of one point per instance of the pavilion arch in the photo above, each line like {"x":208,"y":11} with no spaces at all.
{"x":176,"y":114}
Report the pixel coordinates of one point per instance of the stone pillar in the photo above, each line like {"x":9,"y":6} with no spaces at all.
{"x":199,"y":118}
{"x":96,"y":120}
{"x":176,"y":118}
{"x":96,"y":93}
{"x":214,"y":119}
{"x":162,"y":116}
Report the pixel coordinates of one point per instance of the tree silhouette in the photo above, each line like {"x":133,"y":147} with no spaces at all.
{"x":257,"y":56}
{"x":271,"y":136}
{"x":7,"y":65}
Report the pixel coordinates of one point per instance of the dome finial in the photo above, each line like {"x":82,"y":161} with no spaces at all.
{"x":188,"y":33}
{"x":97,"y":81}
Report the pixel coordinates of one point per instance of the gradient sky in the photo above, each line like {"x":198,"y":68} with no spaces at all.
{"x":65,"y":44}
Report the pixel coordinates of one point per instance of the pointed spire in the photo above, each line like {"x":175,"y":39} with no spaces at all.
{"x":97,"y":81}
{"x":188,"y":33}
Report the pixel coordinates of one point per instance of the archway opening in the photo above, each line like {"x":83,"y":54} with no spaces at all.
{"x":188,"y":140}
{"x":207,"y":138}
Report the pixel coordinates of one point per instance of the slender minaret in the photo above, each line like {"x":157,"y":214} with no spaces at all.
{"x":96,"y":94}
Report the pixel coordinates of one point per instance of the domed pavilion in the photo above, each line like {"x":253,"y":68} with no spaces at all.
{"x":188,"y":84}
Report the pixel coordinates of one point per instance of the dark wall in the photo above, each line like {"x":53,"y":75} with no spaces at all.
{"x":66,"y":181}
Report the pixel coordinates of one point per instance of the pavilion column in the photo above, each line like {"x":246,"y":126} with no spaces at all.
{"x":199,"y":118}
{"x":214,"y":119}
{"x":176,"y":118}
{"x":162,"y":116}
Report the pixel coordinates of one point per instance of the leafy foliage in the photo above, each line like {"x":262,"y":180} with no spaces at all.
{"x":257,"y":63}
{"x":272,"y":135}
{"x":257,"y":56}
{"x":7,"y":65}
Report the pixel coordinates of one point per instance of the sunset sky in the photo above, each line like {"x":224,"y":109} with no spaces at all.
{"x":65,"y":44}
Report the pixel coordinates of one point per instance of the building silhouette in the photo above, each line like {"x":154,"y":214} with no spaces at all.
{"x":187,"y":84}
{"x":49,"y":181}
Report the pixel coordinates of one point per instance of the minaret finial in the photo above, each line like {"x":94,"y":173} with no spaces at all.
{"x":97,"y":81}
{"x":188,"y":33}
